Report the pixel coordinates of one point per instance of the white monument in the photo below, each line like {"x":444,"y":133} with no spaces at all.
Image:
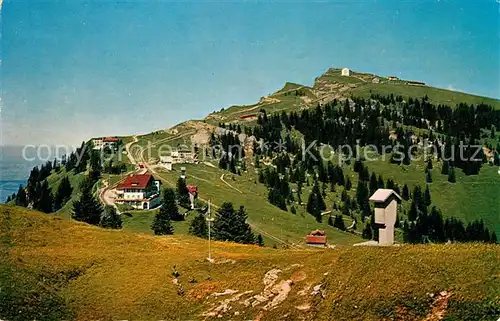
{"x":346,"y":72}
{"x":386,"y":207}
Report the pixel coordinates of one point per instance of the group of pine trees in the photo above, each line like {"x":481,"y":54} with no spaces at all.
{"x":227,"y":148}
{"x":88,"y":209}
{"x":424,"y":225}
{"x":229,"y":224}
{"x":169,"y":209}
{"x":362,"y":122}
{"x":38,"y":194}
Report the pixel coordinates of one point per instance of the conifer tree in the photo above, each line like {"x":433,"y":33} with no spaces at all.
{"x":367,"y":233}
{"x":346,"y":209}
{"x":413,"y":213}
{"x":493,"y":238}
{"x":339,"y":222}
{"x":330,"y":220}
{"x":87,"y":209}
{"x":427,"y":197}
{"x":348,"y":184}
{"x":198,"y":226}
{"x":380,"y":182}
{"x":63,"y":194}
{"x":390,"y":183}
{"x":435,"y":226}
{"x":428,"y":177}
{"x":373,"y":183}
{"x":171,"y":206}
{"x":43,"y":198}
{"x":340,"y":175}
{"x":406,"y":232}
{"x":397,"y":224}
{"x":21,"y":198}
{"x":429,"y":164}
{"x":364,"y":174}
{"x":451,"y":175}
{"x":182,"y":193}
{"x":231,"y":225}
{"x":259,"y":241}
{"x":315,"y":203}
{"x":446,"y":167}
{"x":406,"y":192}
{"x":95,"y":166}
{"x":362,"y":194}
{"x":343,"y":196}
{"x":111,"y":219}
{"x":358,"y":165}
{"x":162,"y":224}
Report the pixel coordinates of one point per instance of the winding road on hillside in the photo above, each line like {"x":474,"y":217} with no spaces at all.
{"x":128,"y":149}
{"x":225,"y":182}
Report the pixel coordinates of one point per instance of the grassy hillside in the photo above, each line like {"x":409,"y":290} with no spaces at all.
{"x":472,"y":197}
{"x":436,"y":95}
{"x":284,"y":227}
{"x":331,"y":85}
{"x":75,"y":180}
{"x":52,"y":268}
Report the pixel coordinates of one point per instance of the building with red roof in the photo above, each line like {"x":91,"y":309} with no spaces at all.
{"x":141,"y":191}
{"x":102,"y":142}
{"x":317,"y":238}
{"x":111,"y":139}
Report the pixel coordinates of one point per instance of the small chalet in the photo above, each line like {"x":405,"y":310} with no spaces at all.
{"x":317,"y":238}
{"x":102,"y":142}
{"x":98,"y":143}
{"x":111,"y":142}
{"x":182,"y":156}
{"x":139,"y":191}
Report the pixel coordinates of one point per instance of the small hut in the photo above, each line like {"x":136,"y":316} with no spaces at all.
{"x":317,"y":238}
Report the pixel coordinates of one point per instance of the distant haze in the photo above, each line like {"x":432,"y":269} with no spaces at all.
{"x":15,"y":169}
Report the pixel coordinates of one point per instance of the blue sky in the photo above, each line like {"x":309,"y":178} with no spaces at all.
{"x":73,"y":70}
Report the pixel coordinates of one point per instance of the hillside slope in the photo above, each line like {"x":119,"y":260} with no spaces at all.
{"x":331,"y":85}
{"x":52,"y":268}
{"x":279,"y":227}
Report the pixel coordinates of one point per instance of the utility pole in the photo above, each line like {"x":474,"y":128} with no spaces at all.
{"x":209,"y":220}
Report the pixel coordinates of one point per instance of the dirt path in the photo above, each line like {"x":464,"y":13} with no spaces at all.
{"x":439,"y":307}
{"x":128,"y":149}
{"x":236,"y":189}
